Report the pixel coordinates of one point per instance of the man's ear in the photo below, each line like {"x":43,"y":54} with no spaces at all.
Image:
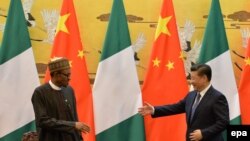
{"x":205,"y":77}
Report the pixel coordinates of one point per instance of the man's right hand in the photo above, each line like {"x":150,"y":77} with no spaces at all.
{"x":146,"y":109}
{"x":82,"y":127}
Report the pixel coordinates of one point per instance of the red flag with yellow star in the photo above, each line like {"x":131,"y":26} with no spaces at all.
{"x":67,"y":43}
{"x":165,"y":81}
{"x":244,"y":89}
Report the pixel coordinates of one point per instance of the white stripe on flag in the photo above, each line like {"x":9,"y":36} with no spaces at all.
{"x":17,"y":83}
{"x":223,"y":79}
{"x":116,"y":90}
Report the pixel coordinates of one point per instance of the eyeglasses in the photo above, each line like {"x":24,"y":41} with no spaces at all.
{"x":66,"y":75}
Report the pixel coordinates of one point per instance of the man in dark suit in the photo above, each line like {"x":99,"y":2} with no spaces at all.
{"x":207,"y":112}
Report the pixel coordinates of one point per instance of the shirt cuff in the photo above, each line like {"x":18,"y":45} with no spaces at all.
{"x":153,"y":112}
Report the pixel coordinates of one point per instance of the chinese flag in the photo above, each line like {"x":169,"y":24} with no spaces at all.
{"x":244,"y":89}
{"x":67,"y":43}
{"x":165,"y":81}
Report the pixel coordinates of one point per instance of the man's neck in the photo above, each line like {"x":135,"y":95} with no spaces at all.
{"x":205,"y":88}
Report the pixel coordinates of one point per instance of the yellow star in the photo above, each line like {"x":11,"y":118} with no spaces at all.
{"x":162,"y":26}
{"x":156,"y":62}
{"x":247,"y":60}
{"x":61,"y":24}
{"x":182,"y":55}
{"x":170,"y":65}
{"x":80,"y":54}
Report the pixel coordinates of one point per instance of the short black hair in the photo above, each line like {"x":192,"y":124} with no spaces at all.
{"x":203,"y":69}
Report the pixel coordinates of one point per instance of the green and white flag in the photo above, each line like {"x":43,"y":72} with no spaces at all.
{"x":116,"y":90}
{"x":18,"y":77}
{"x":216,"y":53}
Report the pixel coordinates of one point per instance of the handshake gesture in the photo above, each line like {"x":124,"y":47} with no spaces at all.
{"x":146,"y":109}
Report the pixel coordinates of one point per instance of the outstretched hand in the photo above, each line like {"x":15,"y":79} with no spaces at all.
{"x":146,"y":109}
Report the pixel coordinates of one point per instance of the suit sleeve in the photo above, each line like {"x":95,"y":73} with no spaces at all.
{"x":171,"y":109}
{"x":221,"y":113}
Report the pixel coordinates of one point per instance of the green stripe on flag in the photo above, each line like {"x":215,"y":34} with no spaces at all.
{"x":17,"y":67}
{"x":18,"y":133}
{"x":117,"y":36}
{"x":235,"y":121}
{"x":214,"y":40}
{"x":127,"y":130}
{"x":215,"y":52}
{"x":116,"y":85}
{"x":19,"y":36}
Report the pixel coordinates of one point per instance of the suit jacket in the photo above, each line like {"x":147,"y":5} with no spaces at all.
{"x":211,"y":115}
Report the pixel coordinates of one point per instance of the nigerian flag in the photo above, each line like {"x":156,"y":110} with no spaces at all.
{"x":215,"y":52}
{"x":18,"y":77}
{"x":116,"y":90}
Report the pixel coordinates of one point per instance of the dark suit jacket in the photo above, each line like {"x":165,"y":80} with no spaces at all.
{"x":211,"y":115}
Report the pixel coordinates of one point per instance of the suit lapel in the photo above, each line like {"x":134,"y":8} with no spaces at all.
{"x":202,"y":103}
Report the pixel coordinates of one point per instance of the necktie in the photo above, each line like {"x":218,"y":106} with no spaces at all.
{"x":196,"y":103}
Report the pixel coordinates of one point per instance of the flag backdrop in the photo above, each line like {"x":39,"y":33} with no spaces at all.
{"x":116,"y":90}
{"x":18,"y":77}
{"x":68,"y":44}
{"x":165,"y":81}
{"x":244,"y":89}
{"x":215,"y":52}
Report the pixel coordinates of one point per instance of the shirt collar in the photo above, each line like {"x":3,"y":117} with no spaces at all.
{"x":54,"y":86}
{"x":203,"y":92}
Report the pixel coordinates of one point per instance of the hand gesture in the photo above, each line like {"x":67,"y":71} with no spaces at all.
{"x":82,"y":127}
{"x":196,"y":135}
{"x":146,"y":109}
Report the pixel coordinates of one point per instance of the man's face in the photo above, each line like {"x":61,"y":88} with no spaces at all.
{"x":197,"y":81}
{"x":64,"y":77}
